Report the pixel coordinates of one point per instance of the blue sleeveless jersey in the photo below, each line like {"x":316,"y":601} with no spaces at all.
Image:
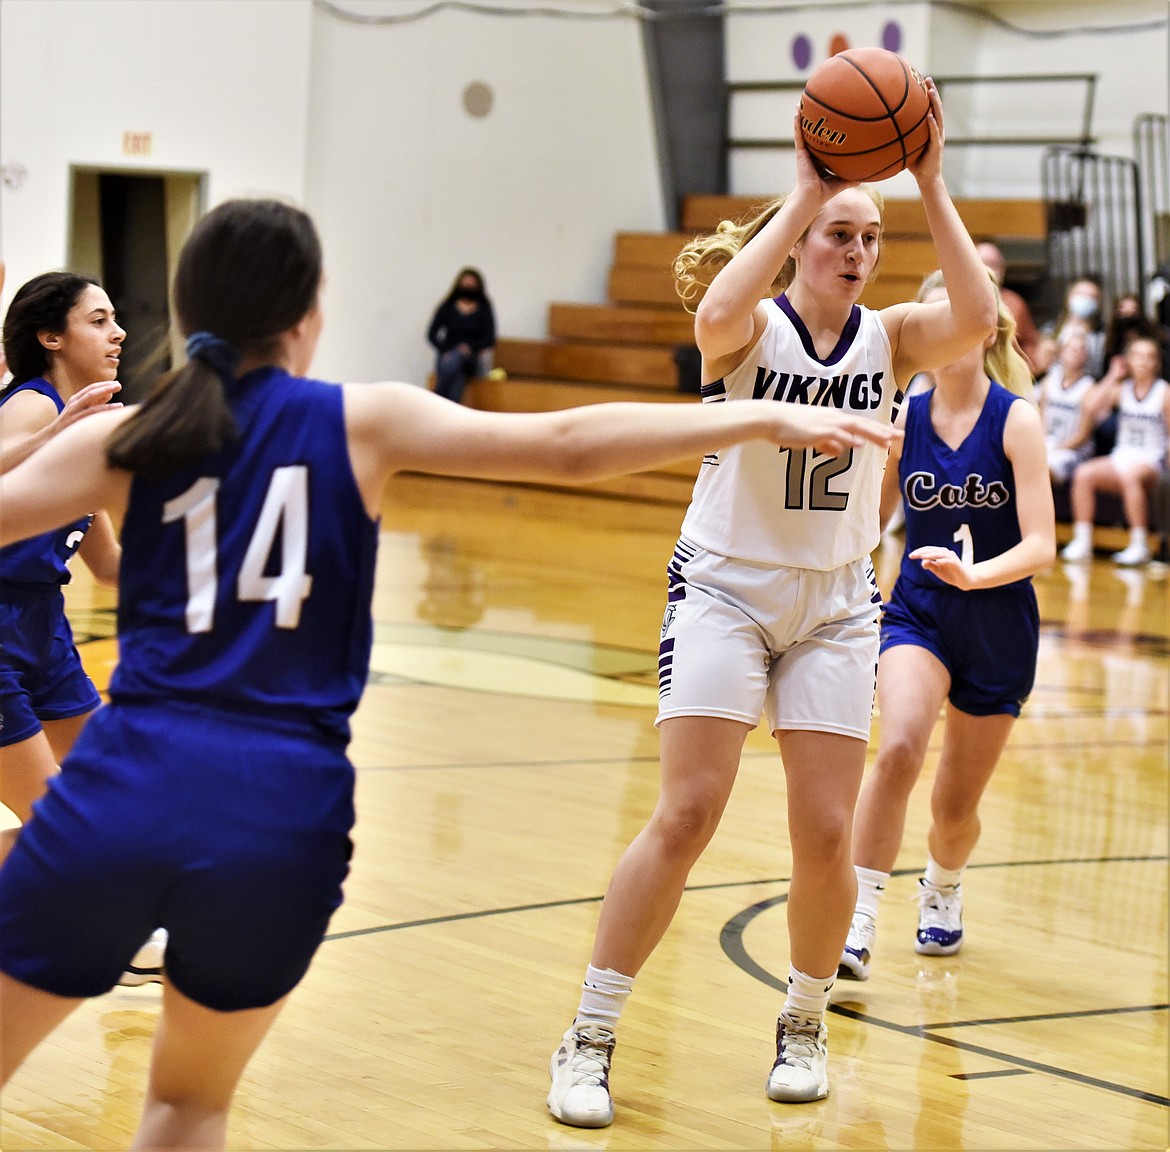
{"x":963,"y":499}
{"x":247,"y":578}
{"x":42,"y":559}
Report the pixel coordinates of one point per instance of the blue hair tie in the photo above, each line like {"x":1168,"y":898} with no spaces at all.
{"x":218,"y":353}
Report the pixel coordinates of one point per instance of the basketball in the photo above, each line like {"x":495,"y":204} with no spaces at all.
{"x":863,"y":114}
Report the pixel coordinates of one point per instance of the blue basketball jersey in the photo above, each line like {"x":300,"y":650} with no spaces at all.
{"x":247,"y":577}
{"x":962,"y":498}
{"x":42,"y":559}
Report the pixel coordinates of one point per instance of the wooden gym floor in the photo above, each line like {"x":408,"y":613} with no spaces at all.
{"x":506,"y":756}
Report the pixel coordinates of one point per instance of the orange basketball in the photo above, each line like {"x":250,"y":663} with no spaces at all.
{"x":863,"y":114}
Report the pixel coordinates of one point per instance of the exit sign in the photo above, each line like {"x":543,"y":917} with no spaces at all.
{"x":136,"y":143}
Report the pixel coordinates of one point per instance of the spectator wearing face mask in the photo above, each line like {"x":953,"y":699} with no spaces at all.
{"x":463,"y":333}
{"x":1082,"y":309}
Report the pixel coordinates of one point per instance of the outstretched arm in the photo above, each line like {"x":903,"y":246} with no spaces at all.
{"x":29,"y":420}
{"x":66,"y":479}
{"x":926,"y":336}
{"x":394,"y":427}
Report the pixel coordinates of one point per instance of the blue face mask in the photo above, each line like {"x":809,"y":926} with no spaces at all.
{"x":1083,"y":307}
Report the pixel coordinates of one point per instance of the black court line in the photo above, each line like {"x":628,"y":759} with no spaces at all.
{"x":990,"y":1075}
{"x":1042,"y":1016}
{"x":731,"y":940}
{"x":542,"y":906}
{"x":750,"y":913}
{"x":922,"y":1033}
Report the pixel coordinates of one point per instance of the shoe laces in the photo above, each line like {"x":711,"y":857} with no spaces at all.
{"x":798,"y":1047}
{"x":591,"y":1058}
{"x":936,"y":905}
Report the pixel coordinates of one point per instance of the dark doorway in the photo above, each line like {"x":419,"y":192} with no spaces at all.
{"x":132,"y":211}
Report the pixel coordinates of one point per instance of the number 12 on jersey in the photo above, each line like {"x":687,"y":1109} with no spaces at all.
{"x":820,"y":496}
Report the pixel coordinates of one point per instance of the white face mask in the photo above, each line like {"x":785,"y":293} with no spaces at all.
{"x":1083,"y":306}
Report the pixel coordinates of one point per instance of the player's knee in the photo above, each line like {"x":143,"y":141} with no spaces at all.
{"x":684,"y":830}
{"x":898,"y":763}
{"x":190,"y":1105}
{"x":952,"y":814}
{"x":826,"y":844}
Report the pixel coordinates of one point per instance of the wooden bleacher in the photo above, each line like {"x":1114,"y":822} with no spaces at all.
{"x":624,"y":348}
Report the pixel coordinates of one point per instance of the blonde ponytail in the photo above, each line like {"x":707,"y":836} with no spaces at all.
{"x":1003,"y":361}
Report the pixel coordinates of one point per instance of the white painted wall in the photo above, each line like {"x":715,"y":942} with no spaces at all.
{"x":407,"y":187}
{"x":221,"y":85}
{"x":944,"y":41}
{"x":1132,"y":79}
{"x":759,"y":48}
{"x":365,"y":125}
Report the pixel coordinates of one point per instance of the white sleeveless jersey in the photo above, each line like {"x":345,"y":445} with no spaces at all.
{"x":769,"y":505}
{"x":1141,"y":424}
{"x":1062,"y":406}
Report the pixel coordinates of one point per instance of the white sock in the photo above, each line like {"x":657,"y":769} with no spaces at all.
{"x":808,"y":997}
{"x":939,"y":877}
{"x":603,"y":996}
{"x":1083,"y":532}
{"x":870,"y":885}
{"x":1137,"y":539}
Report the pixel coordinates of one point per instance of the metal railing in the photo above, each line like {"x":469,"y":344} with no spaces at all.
{"x":1151,"y":146}
{"x":1095,"y":219}
{"x":1080,"y":134}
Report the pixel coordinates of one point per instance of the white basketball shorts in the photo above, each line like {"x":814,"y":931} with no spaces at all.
{"x":796,"y":645}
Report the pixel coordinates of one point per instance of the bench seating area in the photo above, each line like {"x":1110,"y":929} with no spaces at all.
{"x":624,"y":348}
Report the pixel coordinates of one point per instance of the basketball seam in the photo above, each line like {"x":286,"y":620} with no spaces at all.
{"x":878,"y":92}
{"x":899,"y":136}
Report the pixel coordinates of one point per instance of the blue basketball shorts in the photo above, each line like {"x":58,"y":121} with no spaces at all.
{"x":41,"y":676}
{"x":987,"y":640}
{"x":229,"y":831}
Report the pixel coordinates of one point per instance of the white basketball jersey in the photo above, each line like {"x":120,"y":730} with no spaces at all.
{"x":1062,"y":406}
{"x":1141,"y":424}
{"x":770,"y":505}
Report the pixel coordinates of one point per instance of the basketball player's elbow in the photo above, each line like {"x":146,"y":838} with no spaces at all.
{"x":1045,"y":548}
{"x":721,"y":322}
{"x":573,"y":455}
{"x":984,"y":313}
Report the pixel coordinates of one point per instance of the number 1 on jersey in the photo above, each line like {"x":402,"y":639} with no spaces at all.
{"x":966,"y":545}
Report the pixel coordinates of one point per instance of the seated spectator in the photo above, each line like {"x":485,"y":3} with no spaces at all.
{"x":1070,"y":401}
{"x":1138,"y":459}
{"x":463,"y":332}
{"x":1127,"y":320}
{"x":1027,"y":334}
{"x":1045,"y":355}
{"x":1082,"y":308}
